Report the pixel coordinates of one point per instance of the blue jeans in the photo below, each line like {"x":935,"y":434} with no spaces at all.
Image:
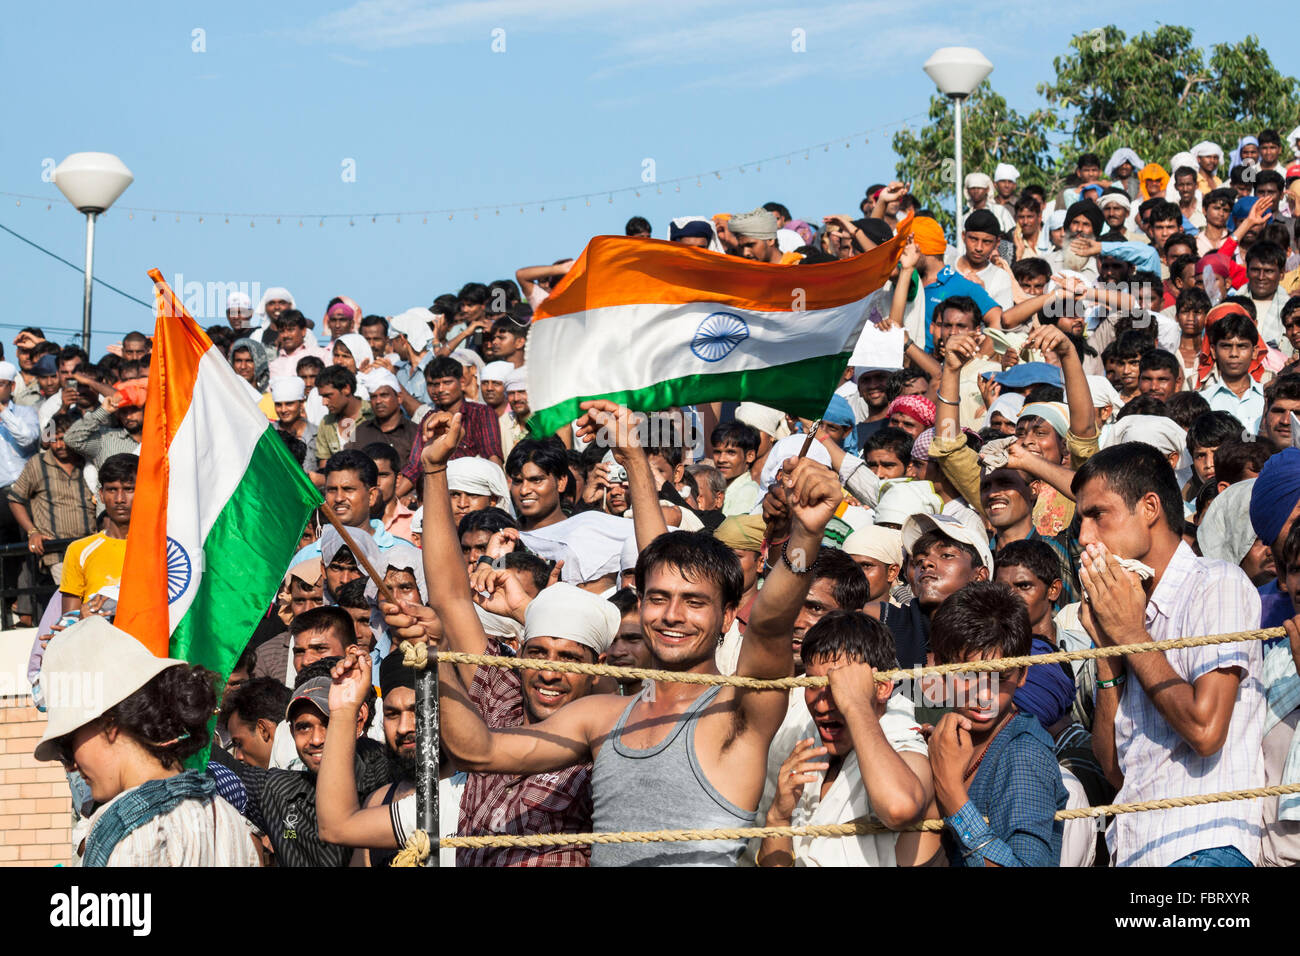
{"x":1217,"y":856}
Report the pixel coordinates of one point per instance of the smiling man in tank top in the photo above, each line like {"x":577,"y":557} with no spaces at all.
{"x":680,"y":756}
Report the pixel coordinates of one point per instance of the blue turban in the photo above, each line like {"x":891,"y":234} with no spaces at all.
{"x":1240,"y":210}
{"x":695,"y":229}
{"x":839,"y":412}
{"x":1046,"y":693}
{"x":1277,"y":489}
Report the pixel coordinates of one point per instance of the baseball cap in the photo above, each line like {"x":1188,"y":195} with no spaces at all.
{"x":950,"y":527}
{"x":316,"y":692}
{"x":1026,"y":374}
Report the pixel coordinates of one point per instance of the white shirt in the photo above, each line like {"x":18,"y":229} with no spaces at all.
{"x":997,"y":284}
{"x":20,"y":434}
{"x":190,"y":834}
{"x":1155,"y":760}
{"x":449,"y":794}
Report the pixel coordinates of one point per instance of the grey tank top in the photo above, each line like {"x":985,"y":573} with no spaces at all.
{"x":661,"y":788}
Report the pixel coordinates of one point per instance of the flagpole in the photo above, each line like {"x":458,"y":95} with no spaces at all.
{"x":357,"y":553}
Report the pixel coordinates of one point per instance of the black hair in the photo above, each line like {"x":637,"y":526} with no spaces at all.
{"x":337,"y":377}
{"x":444,"y":366}
{"x":1185,"y":407}
{"x":1132,"y":343}
{"x":636,"y":226}
{"x":1035,"y":555}
{"x":1245,"y":301}
{"x":852,"y":635}
{"x":378,"y":451}
{"x":313,"y":362}
{"x":984,"y":619}
{"x":960,"y":303}
{"x":506,"y":289}
{"x":49,"y":348}
{"x":1267,"y":253}
{"x":902,"y":377}
{"x":1269,"y":137}
{"x":1276,"y":234}
{"x":1184,"y":171}
{"x":71,"y":352}
{"x":669,"y":440}
{"x":935,"y":536}
{"x":65,"y":420}
{"x":327,"y":617}
{"x":1234,"y":325}
{"x":1290,"y":555}
{"x":1027,"y":201}
{"x":548,"y":454}
{"x":134,"y":337}
{"x":168,"y":716}
{"x":1179,"y":263}
{"x":1209,"y":491}
{"x":297,"y":447}
{"x":1266,"y":177}
{"x":352,"y":594}
{"x":374,"y":320}
{"x":1160,"y":360}
{"x":538,"y":567}
{"x":507,"y":323}
{"x":490,"y":520}
{"x":1192,"y":299}
{"x":890,"y":439}
{"x":1087,"y":159}
{"x":1042,"y":392}
{"x":1290,"y":308}
{"x":780,"y":209}
{"x":745,"y":437}
{"x":121,"y":467}
{"x":1223,"y":195}
{"x":473,"y":293}
{"x":1146,"y":404}
{"x":222,"y":336}
{"x":848,"y":584}
{"x":1164,"y":211}
{"x":694,"y":554}
{"x":1233,"y":459}
{"x":1212,"y":429}
{"x":1133,"y":469}
{"x":352,"y":460}
{"x":446,"y":305}
{"x":1032,"y":268}
{"x":291,"y":317}
{"x":626,"y":600}
{"x":258,"y":698}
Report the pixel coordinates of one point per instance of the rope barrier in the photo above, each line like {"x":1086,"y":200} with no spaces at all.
{"x":419,"y":841}
{"x":417,"y":655}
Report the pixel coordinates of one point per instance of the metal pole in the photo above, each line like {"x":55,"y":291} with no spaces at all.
{"x":956,"y":100}
{"x":90,"y":269}
{"x":427,"y":720}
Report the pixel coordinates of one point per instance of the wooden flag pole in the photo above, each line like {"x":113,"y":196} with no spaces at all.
{"x":357,"y":553}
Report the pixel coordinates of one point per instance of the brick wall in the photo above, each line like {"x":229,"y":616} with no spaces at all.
{"x":35,"y":803}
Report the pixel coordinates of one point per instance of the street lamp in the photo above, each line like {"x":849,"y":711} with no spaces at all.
{"x":91,"y":182}
{"x":957,"y":71}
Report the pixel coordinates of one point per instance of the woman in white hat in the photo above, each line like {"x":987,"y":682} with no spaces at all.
{"x":126,"y":720}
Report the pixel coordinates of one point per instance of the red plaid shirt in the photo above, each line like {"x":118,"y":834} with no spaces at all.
{"x":494,"y":803}
{"x":480,"y":437}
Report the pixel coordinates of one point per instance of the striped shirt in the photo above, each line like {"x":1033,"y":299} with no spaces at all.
{"x":480,"y":438}
{"x":1195,"y":596}
{"x":60,"y":504}
{"x":97,"y":437}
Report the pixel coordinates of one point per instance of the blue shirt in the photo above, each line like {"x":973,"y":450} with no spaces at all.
{"x":384,"y":540}
{"x":1018,"y":787}
{"x":1248,"y":407}
{"x":411,"y":378}
{"x":948,"y":283}
{"x":20,"y":434}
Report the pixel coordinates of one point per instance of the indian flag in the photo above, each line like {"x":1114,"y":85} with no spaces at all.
{"x":220,"y":503}
{"x":652,"y":324}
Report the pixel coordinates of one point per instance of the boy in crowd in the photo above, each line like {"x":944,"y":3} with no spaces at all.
{"x":735,"y":446}
{"x":1231,"y":387}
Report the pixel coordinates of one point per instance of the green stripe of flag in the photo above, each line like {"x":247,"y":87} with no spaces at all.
{"x":800,"y":388}
{"x":245,"y":556}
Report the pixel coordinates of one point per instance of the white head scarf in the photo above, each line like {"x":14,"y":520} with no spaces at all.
{"x":1118,"y":157}
{"x":361,"y":541}
{"x":466,"y":357}
{"x":356,"y":343}
{"x":478,"y":476}
{"x":378,"y":377}
{"x":415,"y":325}
{"x":568,"y":612}
{"x":1163,"y":434}
{"x":517,"y":379}
{"x":1225,"y":531}
{"x":590,"y":544}
{"x":788,"y":447}
{"x":271,"y":295}
{"x":1009,"y":404}
{"x":288,"y":388}
{"x":496,"y":372}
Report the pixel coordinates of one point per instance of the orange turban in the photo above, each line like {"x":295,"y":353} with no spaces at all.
{"x":929,"y":236}
{"x":1153,"y":171}
{"x":131,"y":391}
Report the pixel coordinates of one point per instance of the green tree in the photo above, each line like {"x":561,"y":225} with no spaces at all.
{"x":992,"y":133}
{"x":1160,"y":94}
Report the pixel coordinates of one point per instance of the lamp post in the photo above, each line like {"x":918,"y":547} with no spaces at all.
{"x":91,"y":182}
{"x":957,"y":71}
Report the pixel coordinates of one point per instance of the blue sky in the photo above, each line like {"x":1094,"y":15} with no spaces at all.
{"x":283,"y":96}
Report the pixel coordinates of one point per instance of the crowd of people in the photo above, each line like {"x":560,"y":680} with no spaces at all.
{"x":1086,"y":441}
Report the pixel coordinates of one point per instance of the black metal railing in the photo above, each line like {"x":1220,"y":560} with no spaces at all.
{"x":42,"y":590}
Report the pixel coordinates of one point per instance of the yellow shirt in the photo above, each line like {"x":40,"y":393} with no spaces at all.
{"x":92,"y":563}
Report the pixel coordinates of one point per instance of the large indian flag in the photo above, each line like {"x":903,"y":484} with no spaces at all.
{"x":220,"y":503}
{"x":652,"y":324}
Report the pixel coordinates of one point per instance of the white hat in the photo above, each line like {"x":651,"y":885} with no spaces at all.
{"x":377,"y":377}
{"x":238,"y":300}
{"x":496,"y":372}
{"x":767,"y":420}
{"x":466,"y":357}
{"x":478,"y":476}
{"x":516,"y":380}
{"x":89,"y":668}
{"x":361,"y":540}
{"x":1005,"y":171}
{"x":900,"y":498}
{"x":1056,"y":220}
{"x":881,"y":544}
{"x":288,"y":388}
{"x":788,"y":447}
{"x":357,"y":347}
{"x":978,"y":181}
{"x":949,"y":527}
{"x":8,"y":372}
{"x":1104,"y":394}
{"x":567,"y":611}
{"x":415,"y":325}
{"x":1114,"y":199}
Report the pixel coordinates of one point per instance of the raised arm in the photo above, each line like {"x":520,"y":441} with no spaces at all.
{"x":1078,"y":396}
{"x":616,"y":427}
